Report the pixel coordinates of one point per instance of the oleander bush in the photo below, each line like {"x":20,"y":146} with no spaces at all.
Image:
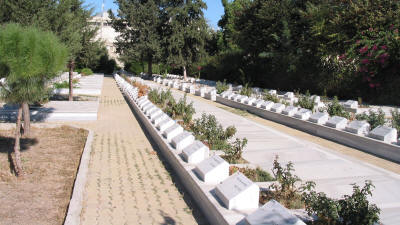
{"x":336,"y":109}
{"x":375,"y":119}
{"x":221,"y":86}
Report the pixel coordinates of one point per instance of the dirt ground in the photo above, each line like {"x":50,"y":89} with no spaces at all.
{"x":50,"y":158}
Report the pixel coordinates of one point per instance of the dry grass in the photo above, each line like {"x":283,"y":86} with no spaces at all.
{"x":50,"y":159}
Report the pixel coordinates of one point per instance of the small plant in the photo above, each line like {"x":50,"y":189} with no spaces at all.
{"x":256,"y":175}
{"x":65,"y":84}
{"x":86,"y":72}
{"x":336,"y":109}
{"x":375,"y":119}
{"x":307,"y":102}
{"x":221,"y":86}
{"x":246,"y":90}
{"x":396,"y":119}
{"x":234,"y":153}
{"x":180,"y":109}
{"x":270,"y":97}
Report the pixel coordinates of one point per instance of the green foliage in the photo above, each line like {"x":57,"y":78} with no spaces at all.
{"x":64,"y":84}
{"x":221,"y":86}
{"x":336,"y":109}
{"x":396,"y":120}
{"x":208,"y":129}
{"x":269,"y":97}
{"x":255,"y":175}
{"x":86,"y":72}
{"x":375,"y":119}
{"x":246,"y":90}
{"x":234,"y":152}
{"x":307,"y":102}
{"x":28,"y":59}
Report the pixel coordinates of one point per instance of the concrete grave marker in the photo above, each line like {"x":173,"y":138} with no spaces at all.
{"x":213,"y":170}
{"x":319,"y":118}
{"x":250,"y":101}
{"x":192,"y":89}
{"x":172,"y":132}
{"x":195,"y":153}
{"x":242,"y":98}
{"x":225,"y":94}
{"x":384,"y":133}
{"x":183,"y":86}
{"x":230,"y":95}
{"x":235,"y":97}
{"x":165,"y":124}
{"x":290,"y":111}
{"x":267,"y":105}
{"x":258,"y":103}
{"x":159,"y":118}
{"x":303,"y":114}
{"x":182,"y":140}
{"x":272,"y":213}
{"x":176,"y":85}
{"x":150,"y":110}
{"x":272,"y":92}
{"x":155,"y":113}
{"x":238,"y":192}
{"x":277,"y":107}
{"x":147,"y":106}
{"x":358,"y":127}
{"x":351,"y":104}
{"x":288,"y":95}
{"x":201,"y":92}
{"x":337,"y":122}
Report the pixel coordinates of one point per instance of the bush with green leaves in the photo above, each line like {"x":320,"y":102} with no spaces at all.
{"x":246,"y":90}
{"x":181,"y":109}
{"x":161,"y":98}
{"x":65,"y":84}
{"x":375,"y":119}
{"x":221,"y":86}
{"x":270,"y":97}
{"x":233,"y":154}
{"x":396,"y":120}
{"x":336,"y":109}
{"x":307,"y":102}
{"x":86,"y":72}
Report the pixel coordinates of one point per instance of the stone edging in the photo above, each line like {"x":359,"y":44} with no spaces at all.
{"x":75,"y":205}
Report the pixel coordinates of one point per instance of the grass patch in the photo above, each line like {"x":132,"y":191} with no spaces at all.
{"x":255,"y":175}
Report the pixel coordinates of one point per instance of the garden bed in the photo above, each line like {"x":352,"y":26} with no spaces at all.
{"x":50,"y":158}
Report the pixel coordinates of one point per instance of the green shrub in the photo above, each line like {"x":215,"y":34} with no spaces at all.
{"x":65,"y":84}
{"x":234,"y":153}
{"x":246,"y":90}
{"x":221,"y":86}
{"x":396,"y":120}
{"x":86,"y":72}
{"x":270,"y":97}
{"x":373,"y":118}
{"x":336,"y":109}
{"x":307,"y":102}
{"x":255,"y":175}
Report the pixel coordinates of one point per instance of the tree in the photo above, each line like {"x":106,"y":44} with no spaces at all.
{"x":139,"y":24}
{"x":29,"y":58}
{"x":185,"y":32}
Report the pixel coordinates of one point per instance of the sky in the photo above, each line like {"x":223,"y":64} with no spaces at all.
{"x":213,"y":13}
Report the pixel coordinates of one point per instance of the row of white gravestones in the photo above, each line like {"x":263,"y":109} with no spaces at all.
{"x":383,"y":133}
{"x":235,"y":192}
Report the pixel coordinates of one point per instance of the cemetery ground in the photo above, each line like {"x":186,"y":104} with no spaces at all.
{"x":50,"y":158}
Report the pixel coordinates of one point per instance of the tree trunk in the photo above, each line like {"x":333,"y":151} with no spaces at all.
{"x":27,"y":119}
{"x":71,"y":66}
{"x":184,"y":73}
{"x":150,"y":66}
{"x":17,"y":153}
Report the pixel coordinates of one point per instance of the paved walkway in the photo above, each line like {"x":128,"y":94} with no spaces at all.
{"x":127,"y":182}
{"x":332,"y":171}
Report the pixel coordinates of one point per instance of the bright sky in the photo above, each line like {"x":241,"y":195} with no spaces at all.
{"x":213,"y":13}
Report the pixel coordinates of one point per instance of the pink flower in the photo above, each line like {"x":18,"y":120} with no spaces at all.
{"x":369,"y":54}
{"x":374,"y":47}
{"x":371,"y":85}
{"x":368,"y":79}
{"x":365,"y":61}
{"x":199,"y":67}
{"x":358,"y":41}
{"x":384,"y":55}
{"x":342,"y":56}
{"x":391,"y":26}
{"x":383,"y":47}
{"x":396,"y":31}
{"x":371,"y":29}
{"x":364,"y":49}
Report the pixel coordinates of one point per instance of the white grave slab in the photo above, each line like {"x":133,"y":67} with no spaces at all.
{"x":384,"y":133}
{"x":238,"y":192}
{"x":225,"y":94}
{"x":150,"y":109}
{"x":235,"y":97}
{"x":147,"y":106}
{"x":277,"y":107}
{"x":213,"y":170}
{"x":183,"y":86}
{"x":337,"y":122}
{"x":182,"y":141}
{"x":176,"y":85}
{"x":250,"y":101}
{"x":159,"y":118}
{"x":267,"y":105}
{"x":290,"y":111}
{"x":258,"y":103}
{"x":201,"y":92}
{"x":351,"y":104}
{"x":303,"y":114}
{"x":358,"y":127}
{"x":272,"y":213}
{"x":172,"y":132}
{"x":289,"y":95}
{"x":317,"y":99}
{"x":155,"y":113}
{"x":143,"y":102}
{"x":272,"y":92}
{"x":192,"y":89}
{"x":319,"y":118}
{"x":195,"y":153}
{"x":242,"y":99}
{"x":165,"y":124}
{"x":230,"y":95}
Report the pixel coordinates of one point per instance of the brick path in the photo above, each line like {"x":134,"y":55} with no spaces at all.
{"x":127,"y":182}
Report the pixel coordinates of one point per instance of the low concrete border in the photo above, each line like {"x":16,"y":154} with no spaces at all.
{"x":75,"y":205}
{"x":379,"y":148}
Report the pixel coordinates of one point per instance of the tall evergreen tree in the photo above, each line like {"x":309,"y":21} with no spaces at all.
{"x":139,"y":24}
{"x":185,"y":32}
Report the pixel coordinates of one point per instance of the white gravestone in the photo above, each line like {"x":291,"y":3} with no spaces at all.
{"x":170,"y":83}
{"x":242,"y":99}
{"x":183,"y":86}
{"x":182,"y":141}
{"x":303,"y":114}
{"x":164,"y":82}
{"x":156,"y":120}
{"x":150,"y":109}
{"x":238,"y":192}
{"x":192,"y":89}
{"x":230,"y":95}
{"x":337,"y":122}
{"x":235,"y":97}
{"x":267,"y":105}
{"x":277,"y":107}
{"x":289,"y":111}
{"x":202,"y":92}
{"x":155,"y":113}
{"x":147,"y":106}
{"x":172,"y":132}
{"x":272,"y":92}
{"x":143,"y":102}
{"x":213,"y":170}
{"x":384,"y":133}
{"x":351,"y":104}
{"x":213,"y":95}
{"x":165,"y":124}
{"x":288,"y":95}
{"x":358,"y":127}
{"x":225,"y":94}
{"x":319,"y":118}
{"x":195,"y":153}
{"x":258,"y":103}
{"x":176,"y":85}
{"x":316,"y":98}
{"x":250,"y":101}
{"x":272,"y":213}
